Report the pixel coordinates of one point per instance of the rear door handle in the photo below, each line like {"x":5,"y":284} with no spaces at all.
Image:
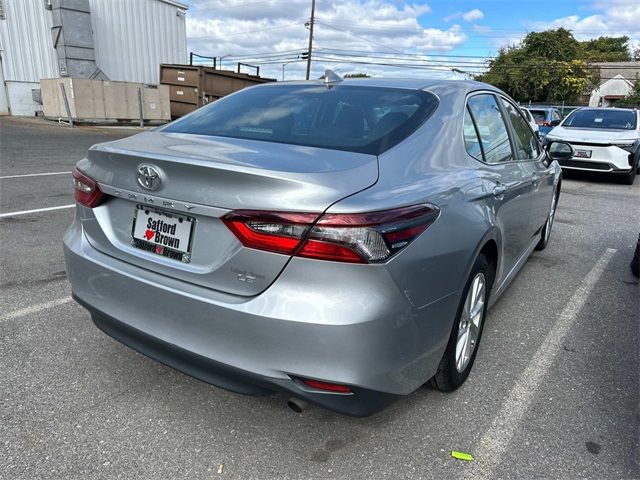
{"x":499,"y":190}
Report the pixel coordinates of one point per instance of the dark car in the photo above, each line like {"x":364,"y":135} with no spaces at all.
{"x":546,"y":117}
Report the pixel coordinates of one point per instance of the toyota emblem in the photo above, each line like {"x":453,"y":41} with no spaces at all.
{"x":149,"y":177}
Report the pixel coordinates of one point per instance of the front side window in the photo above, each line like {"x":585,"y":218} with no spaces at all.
{"x":357,"y":119}
{"x":492,"y":128}
{"x":601,"y":118}
{"x":526,"y":143}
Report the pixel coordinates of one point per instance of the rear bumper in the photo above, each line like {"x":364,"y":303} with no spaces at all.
{"x":376,"y":343}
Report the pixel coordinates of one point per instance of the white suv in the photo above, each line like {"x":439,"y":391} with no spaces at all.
{"x":603,"y":140}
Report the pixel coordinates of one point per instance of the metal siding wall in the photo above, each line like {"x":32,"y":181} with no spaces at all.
{"x":25,"y":37}
{"x":132,"y":38}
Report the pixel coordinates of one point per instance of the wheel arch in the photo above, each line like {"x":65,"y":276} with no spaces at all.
{"x":490,"y":247}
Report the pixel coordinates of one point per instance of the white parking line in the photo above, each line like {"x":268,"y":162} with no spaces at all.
{"x":34,"y":309}
{"x":34,"y":175}
{"x":36,"y":210}
{"x":496,"y":440}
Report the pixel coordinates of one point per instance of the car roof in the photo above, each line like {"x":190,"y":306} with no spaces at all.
{"x":616,"y":109}
{"x":405,"y":83}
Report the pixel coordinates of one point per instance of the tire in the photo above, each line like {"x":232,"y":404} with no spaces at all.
{"x":635,"y":262}
{"x":453,"y":369}
{"x":546,"y":230}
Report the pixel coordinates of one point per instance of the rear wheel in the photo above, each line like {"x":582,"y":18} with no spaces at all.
{"x":465,"y":336}
{"x":546,"y":230}
{"x":635,"y":262}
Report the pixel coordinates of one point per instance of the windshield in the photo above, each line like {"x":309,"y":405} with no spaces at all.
{"x":612,"y":119}
{"x":359,"y":119}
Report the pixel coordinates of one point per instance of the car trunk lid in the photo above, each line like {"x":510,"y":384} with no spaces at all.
{"x":201,"y":179}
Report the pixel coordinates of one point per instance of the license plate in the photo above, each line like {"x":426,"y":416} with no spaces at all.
{"x":163,"y":233}
{"x":582,"y":154}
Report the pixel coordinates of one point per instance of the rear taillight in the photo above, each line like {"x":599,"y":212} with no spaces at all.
{"x":356,"y":238}
{"x":87,"y":190}
{"x":546,"y":124}
{"x":271,"y":231}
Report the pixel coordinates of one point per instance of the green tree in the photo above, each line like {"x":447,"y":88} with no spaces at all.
{"x":633,"y":99}
{"x":606,"y":49}
{"x":552,"y":65}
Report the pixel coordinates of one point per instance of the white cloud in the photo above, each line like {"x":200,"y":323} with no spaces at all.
{"x":473,"y":15}
{"x":470,"y":16}
{"x":260,"y":28}
{"x":613,"y":18}
{"x":482,"y":29}
{"x":607,"y":18}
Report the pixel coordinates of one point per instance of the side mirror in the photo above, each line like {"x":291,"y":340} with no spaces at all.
{"x":555,"y":123}
{"x":559,"y":150}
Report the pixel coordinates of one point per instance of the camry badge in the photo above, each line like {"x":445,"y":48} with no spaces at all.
{"x":148,"y":177}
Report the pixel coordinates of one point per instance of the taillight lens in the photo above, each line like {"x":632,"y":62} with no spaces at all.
{"x":356,"y":238}
{"x":87,"y":190}
{"x":271,"y":231}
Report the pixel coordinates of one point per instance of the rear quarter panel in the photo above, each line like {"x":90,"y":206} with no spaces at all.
{"x":432,"y":166}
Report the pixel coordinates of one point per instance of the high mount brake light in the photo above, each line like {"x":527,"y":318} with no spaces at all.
{"x":355,"y":238}
{"x":87,"y":190}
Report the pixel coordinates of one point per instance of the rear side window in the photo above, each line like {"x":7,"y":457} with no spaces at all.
{"x":358,"y":119}
{"x":471,"y":140}
{"x":526,"y":143}
{"x":491,"y":128}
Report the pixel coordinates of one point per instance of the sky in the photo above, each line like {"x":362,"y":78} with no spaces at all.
{"x":400,"y":38}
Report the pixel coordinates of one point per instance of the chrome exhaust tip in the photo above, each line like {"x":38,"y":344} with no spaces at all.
{"x":297,"y":405}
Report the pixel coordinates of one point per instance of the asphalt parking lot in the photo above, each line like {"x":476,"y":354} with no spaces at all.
{"x":554,"y":391}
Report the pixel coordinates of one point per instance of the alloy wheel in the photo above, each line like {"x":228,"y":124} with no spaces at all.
{"x":552,"y":214}
{"x":470,"y":322}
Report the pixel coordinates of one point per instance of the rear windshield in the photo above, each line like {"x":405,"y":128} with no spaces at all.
{"x":539,"y":116}
{"x":612,"y":119}
{"x":358,"y":119}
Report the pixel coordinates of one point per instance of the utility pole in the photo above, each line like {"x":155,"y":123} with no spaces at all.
{"x":311,"y":22}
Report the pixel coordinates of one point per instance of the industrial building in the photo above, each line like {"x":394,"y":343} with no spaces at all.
{"x":119,"y":40}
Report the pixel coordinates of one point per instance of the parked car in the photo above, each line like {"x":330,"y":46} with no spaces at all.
{"x":546,"y":118}
{"x":345,"y":261}
{"x":604,"y":140}
{"x":534,"y":126}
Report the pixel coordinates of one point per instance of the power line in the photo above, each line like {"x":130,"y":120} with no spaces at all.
{"x":358,"y":36}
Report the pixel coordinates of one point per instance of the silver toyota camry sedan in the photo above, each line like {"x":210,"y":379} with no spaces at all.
{"x":338,"y":241}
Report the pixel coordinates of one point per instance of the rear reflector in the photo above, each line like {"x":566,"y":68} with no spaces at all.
{"x":329,"y":387}
{"x":355,"y":238}
{"x":87,"y":190}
